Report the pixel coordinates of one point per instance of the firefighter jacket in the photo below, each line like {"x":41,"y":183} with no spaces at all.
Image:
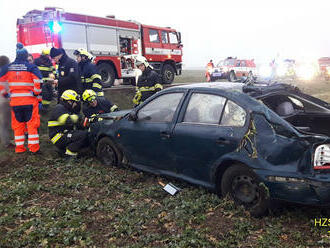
{"x":68,"y":78}
{"x":23,"y":82}
{"x":61,"y":121}
{"x":90,"y":78}
{"x":103,"y":106}
{"x":46,"y":68}
{"x":148,"y":84}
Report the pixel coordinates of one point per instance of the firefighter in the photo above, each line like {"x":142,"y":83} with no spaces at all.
{"x":90,"y":78}
{"x":24,"y":85}
{"x":68,"y":78}
{"x":47,"y":70}
{"x":148,"y":83}
{"x":209,"y":68}
{"x":64,"y":122}
{"x":94,"y":105}
{"x":30,"y":58}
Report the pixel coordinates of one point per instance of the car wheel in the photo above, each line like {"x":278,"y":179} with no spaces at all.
{"x":107,"y":74}
{"x":244,"y":187}
{"x":108,"y":153}
{"x":168,"y":74}
{"x":232,"y":76}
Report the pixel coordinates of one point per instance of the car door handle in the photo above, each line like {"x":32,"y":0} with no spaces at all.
{"x":165,"y":135}
{"x":222,"y":141}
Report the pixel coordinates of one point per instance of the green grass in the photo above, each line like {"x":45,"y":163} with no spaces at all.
{"x":54,"y":202}
{"x":46,"y":201}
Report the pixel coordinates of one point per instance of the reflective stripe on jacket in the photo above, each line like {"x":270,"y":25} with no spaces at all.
{"x":24,"y":81}
{"x":90,"y":77}
{"x":61,"y":120}
{"x":148,"y":84}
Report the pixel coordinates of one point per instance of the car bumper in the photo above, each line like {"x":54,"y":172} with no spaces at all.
{"x":309,"y":190}
{"x":219,"y":75}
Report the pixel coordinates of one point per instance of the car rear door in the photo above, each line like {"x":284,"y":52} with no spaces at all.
{"x":209,"y":126}
{"x":147,"y":141}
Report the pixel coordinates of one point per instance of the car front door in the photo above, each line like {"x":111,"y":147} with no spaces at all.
{"x":210,"y":127}
{"x":147,"y":140}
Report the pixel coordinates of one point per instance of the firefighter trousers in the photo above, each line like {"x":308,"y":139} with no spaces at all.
{"x":25,"y":117}
{"x":72,"y":141}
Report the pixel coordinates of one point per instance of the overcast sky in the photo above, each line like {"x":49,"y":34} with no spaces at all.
{"x":258,"y":29}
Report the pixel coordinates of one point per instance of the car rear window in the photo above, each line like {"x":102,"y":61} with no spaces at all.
{"x":233,"y":115}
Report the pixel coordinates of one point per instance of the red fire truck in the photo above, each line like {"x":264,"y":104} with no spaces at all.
{"x":324,"y":64}
{"x":113,"y":42}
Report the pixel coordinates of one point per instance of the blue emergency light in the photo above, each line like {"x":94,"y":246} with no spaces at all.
{"x":55,"y":27}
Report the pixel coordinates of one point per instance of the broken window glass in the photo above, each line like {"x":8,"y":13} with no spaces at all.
{"x":204,"y":108}
{"x":233,"y":115}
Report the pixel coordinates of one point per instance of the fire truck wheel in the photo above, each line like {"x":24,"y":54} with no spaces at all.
{"x":232,"y":76}
{"x":107,"y":73}
{"x":168,"y":74}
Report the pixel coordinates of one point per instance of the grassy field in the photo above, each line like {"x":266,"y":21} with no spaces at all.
{"x":47,"y":201}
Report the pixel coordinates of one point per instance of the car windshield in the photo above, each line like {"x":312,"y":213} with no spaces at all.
{"x":220,"y":63}
{"x":229,"y":62}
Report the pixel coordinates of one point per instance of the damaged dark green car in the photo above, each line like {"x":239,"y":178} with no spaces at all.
{"x":218,"y":136}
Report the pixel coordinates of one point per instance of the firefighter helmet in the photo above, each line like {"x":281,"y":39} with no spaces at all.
{"x":70,"y":95}
{"x":84,"y":52}
{"x":89,"y":95}
{"x":139,"y":60}
{"x":45,"y":51}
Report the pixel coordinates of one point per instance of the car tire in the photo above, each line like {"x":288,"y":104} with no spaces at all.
{"x":107,"y":73}
{"x":168,"y":74}
{"x":108,"y":153}
{"x":232,"y":76}
{"x":244,"y":187}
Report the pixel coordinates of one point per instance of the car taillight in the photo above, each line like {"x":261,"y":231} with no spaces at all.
{"x":322,"y":157}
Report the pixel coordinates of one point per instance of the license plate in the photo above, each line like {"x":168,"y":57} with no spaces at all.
{"x":216,"y":74}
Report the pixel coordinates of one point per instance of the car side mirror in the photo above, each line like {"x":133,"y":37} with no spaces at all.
{"x":132,"y":116}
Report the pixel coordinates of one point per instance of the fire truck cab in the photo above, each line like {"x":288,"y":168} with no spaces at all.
{"x":113,"y":42}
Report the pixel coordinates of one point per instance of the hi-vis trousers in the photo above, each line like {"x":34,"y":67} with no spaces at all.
{"x":26,"y":117}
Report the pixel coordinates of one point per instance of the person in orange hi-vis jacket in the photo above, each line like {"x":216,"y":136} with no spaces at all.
{"x":209,"y":68}
{"x":23,"y":81}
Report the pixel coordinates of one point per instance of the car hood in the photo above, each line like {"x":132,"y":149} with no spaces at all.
{"x":116,"y":114}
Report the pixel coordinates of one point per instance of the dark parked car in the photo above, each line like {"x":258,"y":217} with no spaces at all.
{"x":218,"y":136}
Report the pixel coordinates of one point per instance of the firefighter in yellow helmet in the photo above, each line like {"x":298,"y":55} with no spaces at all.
{"x":148,"y":83}
{"x":90,"y":77}
{"x":49,"y":82}
{"x":94,"y":105}
{"x":64,"y":122}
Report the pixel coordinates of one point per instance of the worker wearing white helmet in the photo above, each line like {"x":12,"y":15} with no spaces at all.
{"x":148,"y":83}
